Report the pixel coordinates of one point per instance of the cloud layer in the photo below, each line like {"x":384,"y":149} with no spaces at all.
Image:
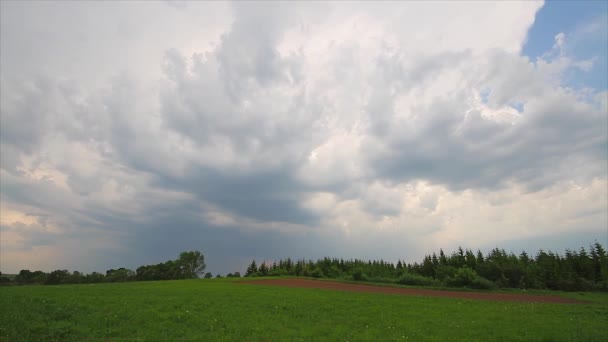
{"x":260,"y":130}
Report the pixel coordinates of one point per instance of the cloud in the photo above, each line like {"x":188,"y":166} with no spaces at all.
{"x":340,"y":129}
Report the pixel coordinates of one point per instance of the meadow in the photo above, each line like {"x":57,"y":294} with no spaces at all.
{"x":231,"y":310}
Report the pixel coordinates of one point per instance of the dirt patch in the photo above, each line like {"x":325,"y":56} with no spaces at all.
{"x":330,"y":285}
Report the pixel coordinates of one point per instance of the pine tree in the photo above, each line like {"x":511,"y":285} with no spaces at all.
{"x":263,"y":269}
{"x":252,"y":270}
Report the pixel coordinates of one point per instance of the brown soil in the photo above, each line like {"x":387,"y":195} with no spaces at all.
{"x":330,"y":285}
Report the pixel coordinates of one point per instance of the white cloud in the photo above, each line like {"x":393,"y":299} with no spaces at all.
{"x":347,"y":123}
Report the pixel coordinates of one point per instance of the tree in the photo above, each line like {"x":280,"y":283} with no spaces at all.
{"x":76,"y":278}
{"x":94,"y":277}
{"x":191,"y":264}
{"x":4,"y":280}
{"x":469,"y":259}
{"x":24,"y":277}
{"x":252,"y":270}
{"x":58,"y":277}
{"x":443,"y":260}
{"x":263,"y":269}
{"x":434,"y":259}
{"x":427,"y":267}
{"x":208,"y":275}
{"x":119,"y":275}
{"x":600,"y":262}
{"x":399,"y":265}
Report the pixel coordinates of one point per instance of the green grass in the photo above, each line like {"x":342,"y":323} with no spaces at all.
{"x":228,"y":310}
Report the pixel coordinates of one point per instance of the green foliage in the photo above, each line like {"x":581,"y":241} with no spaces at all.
{"x":191,"y":264}
{"x":482,"y":283}
{"x":27,"y":277}
{"x":252,"y":270}
{"x":358,"y":275}
{"x":263,"y":270}
{"x":464,"y":277}
{"x":4,"y":280}
{"x":444,"y":271}
{"x":583,"y":270}
{"x":120,"y":275}
{"x":58,"y":277}
{"x":417,"y":280}
{"x":317,"y":273}
{"x":188,"y":265}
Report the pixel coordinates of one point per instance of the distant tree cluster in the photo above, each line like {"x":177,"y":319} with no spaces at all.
{"x":585,"y":270}
{"x":188,"y":265}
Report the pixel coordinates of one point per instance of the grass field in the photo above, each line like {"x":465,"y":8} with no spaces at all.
{"x":229,"y":310}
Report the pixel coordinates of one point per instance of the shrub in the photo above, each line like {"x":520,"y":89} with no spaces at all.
{"x":317,"y":273}
{"x":334,"y":272}
{"x":579,"y":284}
{"x":279,"y":272}
{"x":358,"y":275}
{"x":482,"y":283}
{"x":602,"y":286}
{"x":381,"y":280}
{"x":502,"y":281}
{"x":417,"y":280}
{"x":444,"y":271}
{"x":464,"y":277}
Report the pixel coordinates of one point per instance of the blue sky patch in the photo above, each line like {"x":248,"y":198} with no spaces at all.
{"x":585,"y":28}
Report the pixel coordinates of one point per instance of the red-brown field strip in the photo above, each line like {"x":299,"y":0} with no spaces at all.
{"x":330,"y":285}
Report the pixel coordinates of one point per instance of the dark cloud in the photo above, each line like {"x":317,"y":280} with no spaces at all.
{"x":25,"y":113}
{"x":261,"y":195}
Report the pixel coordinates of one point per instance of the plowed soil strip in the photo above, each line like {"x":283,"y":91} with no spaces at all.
{"x":329,"y":285}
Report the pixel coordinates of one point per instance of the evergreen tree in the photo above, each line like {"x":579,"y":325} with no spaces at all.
{"x":252,"y":270}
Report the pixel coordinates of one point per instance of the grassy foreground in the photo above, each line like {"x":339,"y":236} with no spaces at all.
{"x":228,"y":310}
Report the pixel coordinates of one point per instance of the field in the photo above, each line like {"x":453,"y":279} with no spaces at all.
{"x":233,"y":310}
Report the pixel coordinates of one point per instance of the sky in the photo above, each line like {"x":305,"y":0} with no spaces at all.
{"x":132,"y":131}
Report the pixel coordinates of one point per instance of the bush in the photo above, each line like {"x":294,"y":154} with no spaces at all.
{"x":380,"y":280}
{"x":464,"y":277}
{"x":579,"y":284}
{"x":317,"y":273}
{"x":602,"y":286}
{"x":417,"y":280}
{"x":358,"y":275}
{"x":444,"y":271}
{"x":334,"y":272}
{"x":502,"y":281}
{"x":278,"y":272}
{"x":482,"y":283}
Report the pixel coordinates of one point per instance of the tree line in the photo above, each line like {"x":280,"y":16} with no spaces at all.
{"x":582,"y":270}
{"x":188,"y":265}
{"x":575,"y":270}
